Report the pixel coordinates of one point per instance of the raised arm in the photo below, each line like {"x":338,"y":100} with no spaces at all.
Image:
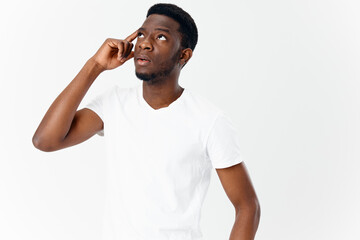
{"x":64,"y":126}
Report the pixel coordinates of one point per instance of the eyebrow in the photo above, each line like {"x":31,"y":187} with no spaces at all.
{"x":160,"y":29}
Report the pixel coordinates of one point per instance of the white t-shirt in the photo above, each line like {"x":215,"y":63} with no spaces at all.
{"x":159,"y":162}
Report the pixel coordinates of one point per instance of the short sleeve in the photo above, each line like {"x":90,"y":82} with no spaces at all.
{"x":223,"y":146}
{"x":97,"y":105}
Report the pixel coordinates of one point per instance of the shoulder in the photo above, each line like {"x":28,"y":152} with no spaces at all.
{"x":202,"y":104}
{"x":120,"y":93}
{"x":209,"y":112}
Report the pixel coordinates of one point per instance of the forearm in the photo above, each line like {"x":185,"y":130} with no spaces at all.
{"x":246,"y":223}
{"x":57,"y":120}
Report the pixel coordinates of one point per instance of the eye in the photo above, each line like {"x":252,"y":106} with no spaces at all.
{"x":162,"y":36}
{"x":140,"y":35}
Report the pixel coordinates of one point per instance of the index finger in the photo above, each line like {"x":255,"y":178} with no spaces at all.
{"x":132,"y":36}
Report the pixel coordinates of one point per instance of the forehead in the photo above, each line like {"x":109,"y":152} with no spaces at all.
{"x":156,"y":20}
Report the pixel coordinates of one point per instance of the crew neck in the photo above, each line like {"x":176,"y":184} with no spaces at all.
{"x":145,"y":105}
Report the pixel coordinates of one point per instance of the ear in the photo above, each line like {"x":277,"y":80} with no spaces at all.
{"x":186,"y":54}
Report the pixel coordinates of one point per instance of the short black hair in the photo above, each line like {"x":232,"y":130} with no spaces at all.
{"x":187,"y":29}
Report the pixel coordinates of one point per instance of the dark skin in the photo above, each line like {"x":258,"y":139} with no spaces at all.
{"x":160,"y":43}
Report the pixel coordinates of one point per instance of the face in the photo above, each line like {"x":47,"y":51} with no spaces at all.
{"x":158,"y":48}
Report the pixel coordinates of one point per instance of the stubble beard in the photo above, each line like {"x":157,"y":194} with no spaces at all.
{"x":154,"y":77}
{"x":160,"y":75}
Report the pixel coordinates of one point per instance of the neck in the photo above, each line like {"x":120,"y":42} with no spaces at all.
{"x":161,"y":95}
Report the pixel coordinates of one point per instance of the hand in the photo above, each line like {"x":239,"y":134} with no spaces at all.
{"x":115,"y":52}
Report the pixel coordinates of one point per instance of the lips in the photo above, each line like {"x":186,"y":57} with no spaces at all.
{"x":143,"y":58}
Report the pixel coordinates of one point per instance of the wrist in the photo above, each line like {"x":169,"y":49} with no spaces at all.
{"x":95,"y":66}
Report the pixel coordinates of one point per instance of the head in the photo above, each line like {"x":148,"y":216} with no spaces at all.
{"x":167,"y":40}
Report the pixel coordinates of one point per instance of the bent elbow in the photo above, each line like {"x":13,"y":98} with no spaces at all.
{"x":40,"y":144}
{"x":257,"y":209}
{"x":251,"y":207}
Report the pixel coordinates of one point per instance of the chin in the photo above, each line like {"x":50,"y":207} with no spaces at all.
{"x":145,"y":76}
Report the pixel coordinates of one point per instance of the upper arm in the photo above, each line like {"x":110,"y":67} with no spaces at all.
{"x":237,"y":185}
{"x":85,"y":124}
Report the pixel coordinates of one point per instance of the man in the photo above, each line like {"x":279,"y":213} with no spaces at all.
{"x":162,"y":140}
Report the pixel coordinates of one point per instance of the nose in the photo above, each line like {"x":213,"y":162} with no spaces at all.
{"x":146,"y":45}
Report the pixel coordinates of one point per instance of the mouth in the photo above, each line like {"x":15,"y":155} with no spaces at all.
{"x":143,"y":60}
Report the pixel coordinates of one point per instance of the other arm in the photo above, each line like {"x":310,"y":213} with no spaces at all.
{"x":238,"y":187}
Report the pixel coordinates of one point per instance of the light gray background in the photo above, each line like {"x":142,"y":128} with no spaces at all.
{"x":287,"y":72}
